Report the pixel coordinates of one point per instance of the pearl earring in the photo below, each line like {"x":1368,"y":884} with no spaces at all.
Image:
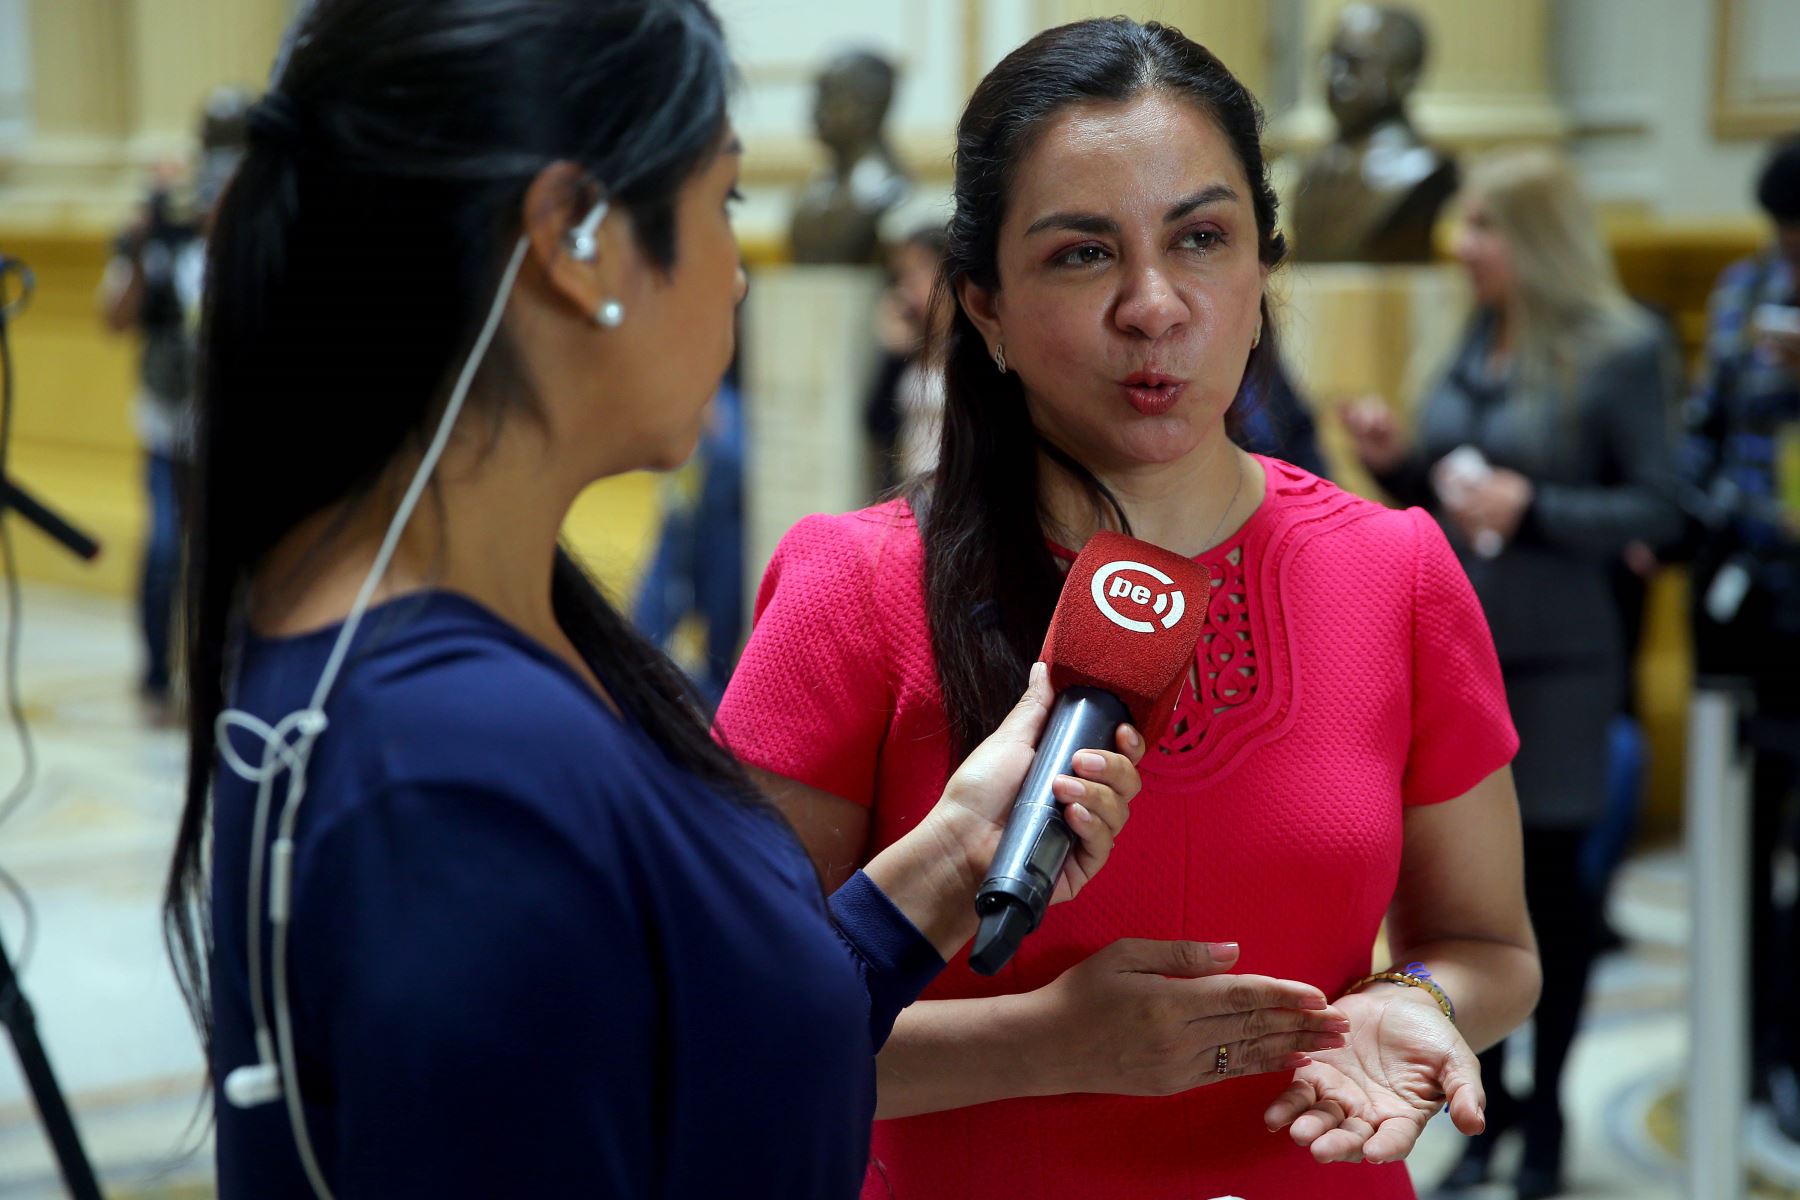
{"x":1000,"y":357}
{"x":611,"y":315}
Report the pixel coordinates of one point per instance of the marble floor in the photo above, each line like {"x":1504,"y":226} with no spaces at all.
{"x":90,"y":844}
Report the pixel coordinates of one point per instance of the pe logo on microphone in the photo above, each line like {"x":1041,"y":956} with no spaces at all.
{"x":1110,"y":583}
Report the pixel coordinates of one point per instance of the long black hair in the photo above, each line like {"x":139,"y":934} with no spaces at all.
{"x":991,"y":583}
{"x":352,"y":261}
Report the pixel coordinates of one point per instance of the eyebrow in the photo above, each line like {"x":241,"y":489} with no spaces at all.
{"x":1216,"y":194}
{"x":1080,"y":222}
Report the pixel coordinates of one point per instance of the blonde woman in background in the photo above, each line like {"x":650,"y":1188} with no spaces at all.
{"x":1543,"y":449}
{"x":904,"y":412}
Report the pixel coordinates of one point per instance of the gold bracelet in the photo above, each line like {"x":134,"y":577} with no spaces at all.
{"x":1415,"y":975}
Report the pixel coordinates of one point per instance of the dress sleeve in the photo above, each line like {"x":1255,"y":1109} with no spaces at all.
{"x":894,"y":960}
{"x":812,"y":697}
{"x":1462,"y":731}
{"x":485,"y":1000}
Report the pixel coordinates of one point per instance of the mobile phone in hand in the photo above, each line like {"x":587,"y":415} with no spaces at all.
{"x":1775,"y":320}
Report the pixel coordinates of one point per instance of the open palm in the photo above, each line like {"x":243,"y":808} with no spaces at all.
{"x":1371,"y":1098}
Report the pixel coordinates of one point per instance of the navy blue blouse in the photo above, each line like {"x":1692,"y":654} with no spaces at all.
{"x":530,"y":956}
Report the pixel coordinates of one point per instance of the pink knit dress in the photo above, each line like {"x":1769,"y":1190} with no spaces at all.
{"x":1348,"y":674}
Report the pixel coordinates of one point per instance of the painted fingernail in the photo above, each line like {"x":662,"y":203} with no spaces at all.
{"x":1315,"y":1002}
{"x":1223,"y":949}
{"x":1087,"y":760}
{"x":1336,"y":1025}
{"x":1293,"y":1062}
{"x":1328,"y":1041}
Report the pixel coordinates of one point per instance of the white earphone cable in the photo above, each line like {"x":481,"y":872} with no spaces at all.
{"x":304,"y":727}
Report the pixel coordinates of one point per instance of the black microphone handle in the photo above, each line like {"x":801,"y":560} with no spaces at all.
{"x":1012,"y":900}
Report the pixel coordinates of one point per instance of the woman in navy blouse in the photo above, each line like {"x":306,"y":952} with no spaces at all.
{"x":532,"y":932}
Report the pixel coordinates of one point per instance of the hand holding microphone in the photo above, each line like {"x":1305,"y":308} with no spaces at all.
{"x":932,"y":872}
{"x":1119,"y":650}
{"x":1031,"y":815}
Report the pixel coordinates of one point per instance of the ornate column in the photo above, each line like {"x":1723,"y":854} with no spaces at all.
{"x":117,"y":85}
{"x":181,"y":50}
{"x":79,"y":112}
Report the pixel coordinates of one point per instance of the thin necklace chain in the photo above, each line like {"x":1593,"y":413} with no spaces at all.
{"x":1212,"y":539}
{"x":1236,"y":491}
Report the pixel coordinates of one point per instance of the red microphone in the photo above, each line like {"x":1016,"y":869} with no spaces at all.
{"x":1119,"y":649}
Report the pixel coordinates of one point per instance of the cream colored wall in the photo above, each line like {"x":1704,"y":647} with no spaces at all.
{"x":1637,"y":79}
{"x":15,"y":75}
{"x":1235,"y":30}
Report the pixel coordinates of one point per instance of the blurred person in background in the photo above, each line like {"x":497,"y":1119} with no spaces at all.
{"x":1273,"y":419}
{"x":1741,"y":466}
{"x":1628,"y":746}
{"x":904,"y":412}
{"x":697,"y":568}
{"x":1544,"y":449}
{"x":152,"y":288}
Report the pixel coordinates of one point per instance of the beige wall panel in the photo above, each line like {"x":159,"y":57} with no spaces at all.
{"x":81,"y":76}
{"x":1235,"y":30}
{"x":184,"y":48}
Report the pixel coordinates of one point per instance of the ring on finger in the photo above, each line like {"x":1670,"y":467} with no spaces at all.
{"x":1222,"y":1061}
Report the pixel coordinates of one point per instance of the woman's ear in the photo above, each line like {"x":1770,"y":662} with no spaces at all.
{"x":980,"y":303}
{"x":583,"y":262}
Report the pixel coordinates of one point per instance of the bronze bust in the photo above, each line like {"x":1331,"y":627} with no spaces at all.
{"x":838,"y":214}
{"x":1374,"y":192}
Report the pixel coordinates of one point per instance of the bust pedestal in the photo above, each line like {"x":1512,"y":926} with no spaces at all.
{"x":809,"y":354}
{"x":1352,"y":329}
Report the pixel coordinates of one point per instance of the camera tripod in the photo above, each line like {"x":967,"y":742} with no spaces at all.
{"x":15,"y":1009}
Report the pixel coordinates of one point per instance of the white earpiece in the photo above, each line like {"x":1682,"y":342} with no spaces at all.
{"x":252,"y":1086}
{"x":584,"y":246}
{"x":584,"y":241}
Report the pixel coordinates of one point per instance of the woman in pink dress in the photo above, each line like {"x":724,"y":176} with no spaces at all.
{"x":1340,"y":756}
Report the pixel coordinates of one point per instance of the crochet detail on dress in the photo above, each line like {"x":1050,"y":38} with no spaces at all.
{"x":1225,"y":672}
